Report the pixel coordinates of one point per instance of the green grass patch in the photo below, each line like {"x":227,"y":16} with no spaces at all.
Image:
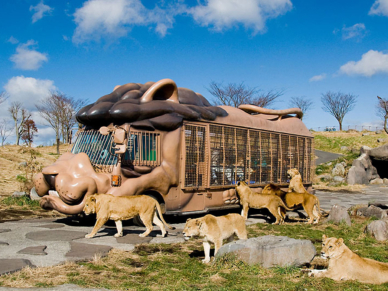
{"x":20,"y":201}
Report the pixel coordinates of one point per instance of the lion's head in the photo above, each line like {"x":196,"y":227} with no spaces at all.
{"x":291,"y":173}
{"x":90,"y":205}
{"x":192,"y":228}
{"x":272,"y":189}
{"x":242,"y":188}
{"x":332,"y":247}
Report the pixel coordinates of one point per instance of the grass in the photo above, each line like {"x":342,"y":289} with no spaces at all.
{"x":179,"y":267}
{"x":20,"y":201}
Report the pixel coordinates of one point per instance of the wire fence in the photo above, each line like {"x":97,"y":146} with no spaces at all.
{"x":349,"y":127}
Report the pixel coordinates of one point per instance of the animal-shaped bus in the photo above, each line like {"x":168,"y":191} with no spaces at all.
{"x":172,"y":144}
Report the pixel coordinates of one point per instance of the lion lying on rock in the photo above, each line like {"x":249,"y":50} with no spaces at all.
{"x":346,"y":265}
{"x":107,"y":206}
{"x":309,"y":202}
{"x":250,"y":199}
{"x":296,"y":184}
{"x":215,"y":229}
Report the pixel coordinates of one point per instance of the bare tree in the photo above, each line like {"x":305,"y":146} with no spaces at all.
{"x":338,"y":104}
{"x":29,"y":131}
{"x":19,"y":116}
{"x":50,"y":108}
{"x":5,"y":130}
{"x":3,"y":97}
{"x":68,"y":120}
{"x":236,"y":94}
{"x":382,"y":110}
{"x":301,"y":102}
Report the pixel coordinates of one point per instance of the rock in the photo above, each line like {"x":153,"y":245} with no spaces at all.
{"x":339,"y":214}
{"x":377,"y":181}
{"x":353,"y":209}
{"x":385,"y":181}
{"x":338,"y":170}
{"x":356,"y":175}
{"x":379,"y":131}
{"x":378,"y":229}
{"x":381,"y":140}
{"x":372,"y":211}
{"x":271,"y":251}
{"x":365,"y":134}
{"x":23,"y":164}
{"x":329,"y":163}
{"x":379,"y":153}
{"x":362,"y":170}
{"x":18,"y":194}
{"x":34,"y":195}
{"x":338,"y":179}
{"x":344,"y":148}
{"x":365,"y":149}
{"x":325,"y":177}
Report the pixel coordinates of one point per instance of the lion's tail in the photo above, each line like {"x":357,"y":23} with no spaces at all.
{"x":282,"y":204}
{"x":161,"y":216}
{"x":320,"y":210}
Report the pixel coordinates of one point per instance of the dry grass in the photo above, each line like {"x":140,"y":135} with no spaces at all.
{"x":10,"y":158}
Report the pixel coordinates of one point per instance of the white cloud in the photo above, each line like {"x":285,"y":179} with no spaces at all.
{"x":28,"y":90}
{"x":222,"y":14}
{"x":97,"y":18}
{"x":13,"y":40}
{"x":356,"y":31}
{"x":27,"y":58}
{"x":371,"y":63}
{"x":318,"y":77}
{"x":40,"y":11}
{"x":380,"y":7}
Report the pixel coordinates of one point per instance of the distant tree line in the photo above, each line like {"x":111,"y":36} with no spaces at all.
{"x":58,"y":111}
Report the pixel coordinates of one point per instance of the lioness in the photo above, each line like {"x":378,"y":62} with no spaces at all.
{"x":125,"y":207}
{"x":309,"y":202}
{"x":296,"y":184}
{"x":255,"y":200}
{"x":346,"y":265}
{"x":215,"y":229}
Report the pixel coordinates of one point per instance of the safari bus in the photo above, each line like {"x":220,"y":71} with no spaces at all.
{"x":191,"y":166}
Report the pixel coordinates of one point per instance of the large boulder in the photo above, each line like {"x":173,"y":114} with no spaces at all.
{"x":372,"y":211}
{"x":338,"y":170}
{"x":379,"y":153}
{"x":271,"y":251}
{"x":339,"y":214}
{"x":362,"y":170}
{"x":378,"y":229}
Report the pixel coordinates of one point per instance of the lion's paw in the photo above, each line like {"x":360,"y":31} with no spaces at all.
{"x":89,"y":236}
{"x":206,"y":261}
{"x":118,"y":234}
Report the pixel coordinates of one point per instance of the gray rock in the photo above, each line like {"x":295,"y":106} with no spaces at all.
{"x":365,"y":149}
{"x":37,"y":251}
{"x":385,"y":181}
{"x":271,"y":251}
{"x":372,"y":211}
{"x":378,"y":229}
{"x":34,"y":195}
{"x":339,"y":214}
{"x":329,"y":163}
{"x":379,"y":153}
{"x":325,"y":177}
{"x":376,"y":181}
{"x":338,"y":179}
{"x":344,"y":148}
{"x":365,"y":134}
{"x":379,"y":131}
{"x":362,"y":170}
{"x":86,"y":251}
{"x":381,"y":140}
{"x":13,"y":265}
{"x":23,"y":164}
{"x":18,"y":194}
{"x":338,"y":170}
{"x":55,"y":235}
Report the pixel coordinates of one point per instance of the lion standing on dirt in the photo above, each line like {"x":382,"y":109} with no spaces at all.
{"x":309,"y":202}
{"x":346,"y":265}
{"x":107,"y":207}
{"x":215,"y":229}
{"x":255,"y":200}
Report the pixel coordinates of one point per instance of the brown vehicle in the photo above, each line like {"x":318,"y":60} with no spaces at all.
{"x":170,"y":143}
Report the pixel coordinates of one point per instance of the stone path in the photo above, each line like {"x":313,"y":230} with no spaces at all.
{"x":48,"y":242}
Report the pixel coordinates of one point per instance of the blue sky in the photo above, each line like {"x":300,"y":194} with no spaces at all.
{"x":306,"y":48}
